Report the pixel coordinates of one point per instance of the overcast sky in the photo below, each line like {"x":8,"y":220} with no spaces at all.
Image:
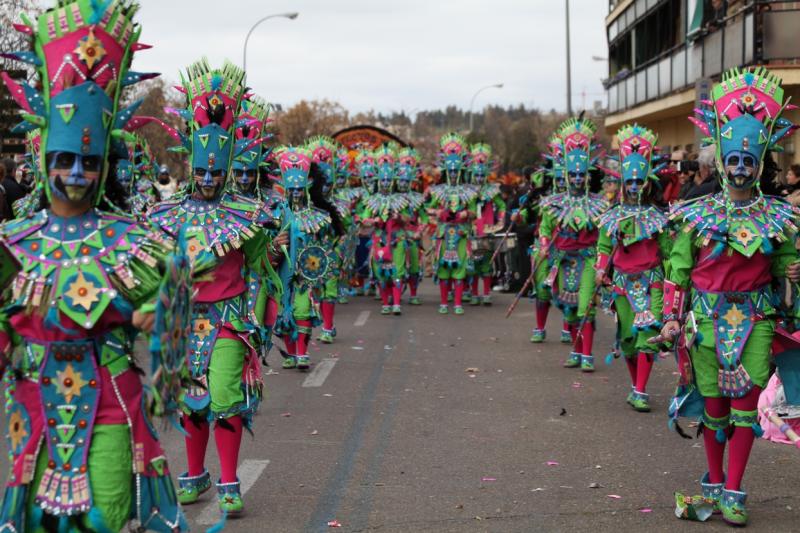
{"x":388,"y":55}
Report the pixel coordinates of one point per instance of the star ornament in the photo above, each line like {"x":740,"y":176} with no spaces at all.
{"x":83,"y":292}
{"x":734,"y":316}
{"x":69,"y":382}
{"x":17,"y":430}
{"x":90,"y":50}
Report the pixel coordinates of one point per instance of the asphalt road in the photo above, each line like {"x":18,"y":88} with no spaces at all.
{"x":391,"y":433}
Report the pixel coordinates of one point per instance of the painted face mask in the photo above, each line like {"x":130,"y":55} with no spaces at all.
{"x":452,"y":155}
{"x":745,"y":118}
{"x":323,"y":153}
{"x":83,"y":49}
{"x":576,"y":137}
{"x":480,"y":163}
{"x":386,"y":164}
{"x":250,"y":149}
{"x":294,"y":164}
{"x":365,"y":163}
{"x":342,"y":168}
{"x":407,"y":168}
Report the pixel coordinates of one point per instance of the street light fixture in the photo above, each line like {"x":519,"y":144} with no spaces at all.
{"x":472,"y":102}
{"x":290,"y":16}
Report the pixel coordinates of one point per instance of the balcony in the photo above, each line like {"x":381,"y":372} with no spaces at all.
{"x":760,"y":32}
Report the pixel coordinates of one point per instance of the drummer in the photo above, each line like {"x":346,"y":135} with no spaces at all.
{"x":490,"y":216}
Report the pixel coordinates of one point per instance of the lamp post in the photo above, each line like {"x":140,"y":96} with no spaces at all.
{"x":472,"y":102}
{"x":290,"y":16}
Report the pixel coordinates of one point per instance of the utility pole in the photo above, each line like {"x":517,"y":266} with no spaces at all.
{"x":569,"y":69}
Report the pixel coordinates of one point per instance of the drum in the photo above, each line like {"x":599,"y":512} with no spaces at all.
{"x":508,"y":240}
{"x":481,"y":246}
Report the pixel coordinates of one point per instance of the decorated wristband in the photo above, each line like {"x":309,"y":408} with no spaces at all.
{"x":674,"y":298}
{"x":602,"y":263}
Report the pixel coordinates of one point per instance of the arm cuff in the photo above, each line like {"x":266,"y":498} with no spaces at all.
{"x":674,"y":300}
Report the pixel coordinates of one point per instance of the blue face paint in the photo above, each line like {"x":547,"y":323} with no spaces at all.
{"x":740,"y":168}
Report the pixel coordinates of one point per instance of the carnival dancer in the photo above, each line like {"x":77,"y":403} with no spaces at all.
{"x":569,"y":223}
{"x":253,"y":152}
{"x":491,"y":210}
{"x":346,"y":199}
{"x":633,"y":245}
{"x":323,"y":155}
{"x":365,"y":165}
{"x":83,"y":456}
{"x":312,"y":224}
{"x":143,"y":191}
{"x":383,"y":213}
{"x":453,"y":205}
{"x":226,"y":241}
{"x":408,"y":170}
{"x":729,"y":247}
{"x":530,"y":213}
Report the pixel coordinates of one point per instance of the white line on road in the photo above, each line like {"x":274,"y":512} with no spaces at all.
{"x":320,"y":373}
{"x":361,"y":319}
{"x":249,"y":472}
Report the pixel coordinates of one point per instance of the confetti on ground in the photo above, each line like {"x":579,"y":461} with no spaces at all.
{"x":576,"y":385}
{"x":328,"y":395}
{"x":315,"y":432}
{"x":552,"y":463}
{"x":360,"y":341}
{"x":357,"y":348}
{"x":537,"y":489}
{"x":472,"y":370}
{"x":334,"y":523}
{"x":489,"y":479}
{"x":646,"y":510}
{"x":286,"y":415}
{"x":615,"y":496}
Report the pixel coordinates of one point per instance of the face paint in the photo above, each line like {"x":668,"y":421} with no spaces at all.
{"x":297,"y":198}
{"x":577,"y":181}
{"x":633,"y":189}
{"x":72,"y":177}
{"x":209,"y":184}
{"x":740,"y":167}
{"x":244,"y":179}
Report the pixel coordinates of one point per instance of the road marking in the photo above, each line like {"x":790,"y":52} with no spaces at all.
{"x":361,"y":319}
{"x":249,"y":472}
{"x":320,"y":373}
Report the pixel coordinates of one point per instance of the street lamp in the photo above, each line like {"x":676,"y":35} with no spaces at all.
{"x":479,"y":91}
{"x":290,"y":16}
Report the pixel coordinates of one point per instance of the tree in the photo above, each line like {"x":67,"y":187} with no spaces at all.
{"x":305,"y":119}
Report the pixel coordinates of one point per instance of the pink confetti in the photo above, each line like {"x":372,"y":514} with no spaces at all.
{"x":286,"y":415}
{"x":576,"y":385}
{"x":334,"y":523}
{"x":646,"y":510}
{"x":552,"y":463}
{"x":489,"y":479}
{"x":615,"y":496}
{"x":360,"y":341}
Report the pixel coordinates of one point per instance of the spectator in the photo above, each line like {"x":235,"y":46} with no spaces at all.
{"x":705,"y":179}
{"x":13,"y":191}
{"x":790,"y":185}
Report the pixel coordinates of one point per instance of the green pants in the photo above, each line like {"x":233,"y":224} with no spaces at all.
{"x":399,"y":268}
{"x":543,"y":292}
{"x":459,"y":272}
{"x":755,"y":356}
{"x":414,"y":266}
{"x":634,"y":342}
{"x":110,"y":467}
{"x":330,"y":290}
{"x":301,"y":305}
{"x":586,"y":288}
{"x":225,"y":376}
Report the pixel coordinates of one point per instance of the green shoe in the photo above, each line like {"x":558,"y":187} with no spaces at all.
{"x":303,"y":362}
{"x":230,"y":498}
{"x":538,"y":336}
{"x":639,"y":402}
{"x":343,"y":300}
{"x":289,"y":362}
{"x":573,"y":361}
{"x":386,"y":309}
{"x":191,"y":487}
{"x":458,"y":310}
{"x":414,"y":300}
{"x":443,"y":310}
{"x":326,"y":337}
{"x":712,"y":491}
{"x":474,"y":300}
{"x":397,"y":310}
{"x":732,"y":506}
{"x":566,"y":337}
{"x":587,"y":363}
{"x":486,"y":300}
{"x":629,"y":399}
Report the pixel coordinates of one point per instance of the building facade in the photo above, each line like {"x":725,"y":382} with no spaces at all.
{"x":663,"y":56}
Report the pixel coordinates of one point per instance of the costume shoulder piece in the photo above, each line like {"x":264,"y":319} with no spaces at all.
{"x":415,"y":199}
{"x":249,"y":208}
{"x":79,"y":265}
{"x":581,"y":212}
{"x":552,"y":204}
{"x":633,"y":223}
{"x":385,"y":204}
{"x":445,"y":194}
{"x":489,"y":192}
{"x":747,"y":227}
{"x":312,"y":220}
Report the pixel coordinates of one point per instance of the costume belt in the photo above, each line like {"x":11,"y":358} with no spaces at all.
{"x":637,"y":289}
{"x":570,"y":264}
{"x":733,"y":314}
